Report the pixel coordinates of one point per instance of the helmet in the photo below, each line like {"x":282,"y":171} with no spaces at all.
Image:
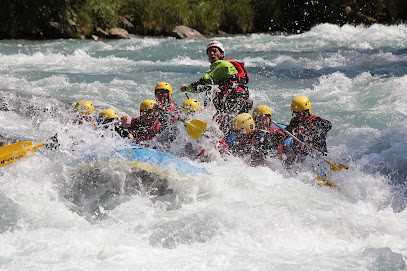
{"x":301,"y":103}
{"x":243,"y":121}
{"x":108,"y":114}
{"x":215,"y":44}
{"x":166,"y":86}
{"x":83,"y":107}
{"x":147,"y":104}
{"x":261,"y":110}
{"x":191,"y":105}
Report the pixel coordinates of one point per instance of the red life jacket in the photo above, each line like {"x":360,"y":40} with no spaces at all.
{"x":170,"y":107}
{"x":237,"y":83}
{"x":272,"y":130}
{"x":242,"y":75}
{"x":143,"y":132}
{"x":300,"y":130}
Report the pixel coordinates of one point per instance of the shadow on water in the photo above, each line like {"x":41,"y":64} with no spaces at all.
{"x":95,"y":191}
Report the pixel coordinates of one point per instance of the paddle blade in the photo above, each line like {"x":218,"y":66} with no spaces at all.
{"x":336,"y":166}
{"x":321,"y":181}
{"x":13,"y":152}
{"x":195,"y":128}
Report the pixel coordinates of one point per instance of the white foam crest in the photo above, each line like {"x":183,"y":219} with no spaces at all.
{"x":359,"y":37}
{"x":8,"y":82}
{"x":79,"y":61}
{"x":184,"y":61}
{"x":326,"y":35}
{"x":365,"y":98}
{"x":256,"y":208}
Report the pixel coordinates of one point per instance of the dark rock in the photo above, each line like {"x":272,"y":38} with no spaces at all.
{"x":118,"y":33}
{"x":126,"y":24}
{"x":367,"y":19}
{"x":72,"y":29}
{"x":53,"y":30}
{"x":101,"y":33}
{"x":222,"y":33}
{"x":185,"y":32}
{"x":347,"y":10}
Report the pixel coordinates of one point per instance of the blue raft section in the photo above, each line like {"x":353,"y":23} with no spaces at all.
{"x":151,"y":160}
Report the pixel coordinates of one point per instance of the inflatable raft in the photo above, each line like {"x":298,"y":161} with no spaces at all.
{"x":150,"y":160}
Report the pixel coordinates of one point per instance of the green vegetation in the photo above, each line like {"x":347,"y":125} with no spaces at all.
{"x":75,"y":18}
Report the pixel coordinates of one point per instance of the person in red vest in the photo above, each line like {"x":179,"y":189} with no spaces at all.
{"x":147,"y":125}
{"x":231,"y":78}
{"x":268,"y":140}
{"x":168,"y":110}
{"x":240,"y":141}
{"x":311,"y":130}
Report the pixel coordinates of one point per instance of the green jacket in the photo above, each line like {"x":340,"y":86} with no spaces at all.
{"x":218,"y":71}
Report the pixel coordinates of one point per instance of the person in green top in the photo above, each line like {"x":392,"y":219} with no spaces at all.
{"x":230,"y":78}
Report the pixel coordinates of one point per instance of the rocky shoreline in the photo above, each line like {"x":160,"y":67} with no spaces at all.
{"x":56,"y":30}
{"x":123,"y":19}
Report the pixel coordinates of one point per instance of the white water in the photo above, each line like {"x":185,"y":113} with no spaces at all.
{"x":240,"y":218}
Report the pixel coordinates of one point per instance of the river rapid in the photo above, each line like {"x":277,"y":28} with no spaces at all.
{"x":238,"y":218}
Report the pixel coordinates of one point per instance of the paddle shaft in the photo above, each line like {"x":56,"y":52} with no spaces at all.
{"x":337,"y":167}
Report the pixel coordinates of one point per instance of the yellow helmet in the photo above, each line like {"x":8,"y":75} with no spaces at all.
{"x":165,"y":86}
{"x":191,"y":105}
{"x":301,"y":103}
{"x":147,"y":104}
{"x":108,"y":114}
{"x":261,"y":110}
{"x":243,"y":121}
{"x":84,"y":107}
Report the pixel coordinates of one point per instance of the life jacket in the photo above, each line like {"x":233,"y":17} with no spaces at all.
{"x":142,"y":132}
{"x":240,"y":145}
{"x":272,"y":130}
{"x":168,"y":108}
{"x":242,"y":76}
{"x":300,"y":131}
{"x":235,"y":85}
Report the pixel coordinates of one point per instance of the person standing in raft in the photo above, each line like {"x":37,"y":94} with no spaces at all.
{"x":231,"y":78}
{"x":146,"y":126}
{"x":267,"y":140}
{"x":311,"y":130}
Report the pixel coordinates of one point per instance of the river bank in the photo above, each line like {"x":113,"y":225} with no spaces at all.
{"x":85,"y":19}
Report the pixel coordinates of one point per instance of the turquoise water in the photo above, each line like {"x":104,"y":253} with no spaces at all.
{"x":240,"y":218}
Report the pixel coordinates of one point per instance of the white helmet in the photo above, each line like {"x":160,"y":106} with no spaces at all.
{"x":215,"y":44}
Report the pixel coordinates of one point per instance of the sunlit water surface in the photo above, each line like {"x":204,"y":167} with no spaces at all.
{"x":56,"y":213}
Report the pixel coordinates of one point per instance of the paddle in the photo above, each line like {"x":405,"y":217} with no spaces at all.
{"x":13,"y":152}
{"x":195,"y":128}
{"x":333,"y":166}
{"x":319,"y":180}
